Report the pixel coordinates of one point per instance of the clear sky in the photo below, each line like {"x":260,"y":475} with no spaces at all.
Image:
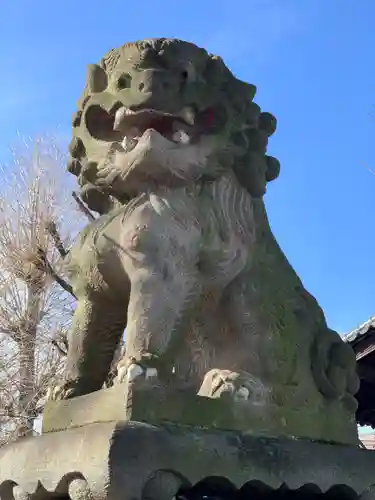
{"x":313,"y":63}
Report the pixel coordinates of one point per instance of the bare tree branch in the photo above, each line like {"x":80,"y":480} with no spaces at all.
{"x":59,"y":348}
{"x":35,"y":299}
{"x":60,"y":342}
{"x":81,"y":205}
{"x":37,"y":227}
{"x":47,"y":267}
{"x":51,"y":227}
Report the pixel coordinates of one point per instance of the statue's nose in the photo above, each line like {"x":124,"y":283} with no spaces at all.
{"x":156,"y":81}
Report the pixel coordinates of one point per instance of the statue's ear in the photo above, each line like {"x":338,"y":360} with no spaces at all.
{"x":273,"y":168}
{"x":96,"y":78}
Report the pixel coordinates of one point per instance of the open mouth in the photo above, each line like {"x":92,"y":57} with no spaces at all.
{"x":133,"y":124}
{"x":126,"y":126}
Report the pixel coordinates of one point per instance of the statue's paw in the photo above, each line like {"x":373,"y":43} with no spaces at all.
{"x":49,"y":394}
{"x":223,"y":383}
{"x":241,"y":394}
{"x":60,"y":392}
{"x":121,"y":374}
{"x":132,"y":371}
{"x":151,"y":373}
{"x":233,"y":385}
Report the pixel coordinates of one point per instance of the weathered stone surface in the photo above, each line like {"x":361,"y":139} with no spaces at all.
{"x":171,"y":150}
{"x":106,"y":405}
{"x":127,"y":460}
{"x":155,"y":404}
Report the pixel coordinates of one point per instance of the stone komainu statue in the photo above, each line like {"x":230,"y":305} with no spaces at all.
{"x":170,"y":149}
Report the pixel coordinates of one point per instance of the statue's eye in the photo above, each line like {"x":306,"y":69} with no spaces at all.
{"x":188,"y":73}
{"x":124,"y":82}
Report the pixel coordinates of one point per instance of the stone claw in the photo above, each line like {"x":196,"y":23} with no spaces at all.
{"x":241,"y":394}
{"x":134,"y":371}
{"x":151,"y":373}
{"x":60,"y":392}
{"x":121,"y":373}
{"x":131,"y":371}
{"x":237,"y":386}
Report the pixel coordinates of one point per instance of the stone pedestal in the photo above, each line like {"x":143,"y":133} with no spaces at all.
{"x":141,"y":442}
{"x":151,"y":403}
{"x":132,"y":460}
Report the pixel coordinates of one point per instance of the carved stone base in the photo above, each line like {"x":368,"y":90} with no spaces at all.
{"x":145,"y":402}
{"x":132,"y":460}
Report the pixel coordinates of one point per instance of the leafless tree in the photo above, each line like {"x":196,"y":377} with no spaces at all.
{"x":38,"y":219}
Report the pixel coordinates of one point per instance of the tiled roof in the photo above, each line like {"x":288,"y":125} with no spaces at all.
{"x":362,"y":331}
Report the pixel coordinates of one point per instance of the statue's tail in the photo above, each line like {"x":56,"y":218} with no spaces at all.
{"x":333,"y":365}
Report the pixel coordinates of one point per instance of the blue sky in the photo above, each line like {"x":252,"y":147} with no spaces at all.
{"x":313,"y":64}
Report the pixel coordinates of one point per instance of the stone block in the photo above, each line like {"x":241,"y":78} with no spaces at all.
{"x":155,"y":404}
{"x":133,"y":460}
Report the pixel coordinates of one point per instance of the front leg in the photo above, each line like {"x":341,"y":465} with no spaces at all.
{"x":161,"y":257}
{"x":157,"y":314}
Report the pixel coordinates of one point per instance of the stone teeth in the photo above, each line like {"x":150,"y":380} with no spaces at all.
{"x":188,"y":115}
{"x":181,"y":136}
{"x":119,"y":116}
